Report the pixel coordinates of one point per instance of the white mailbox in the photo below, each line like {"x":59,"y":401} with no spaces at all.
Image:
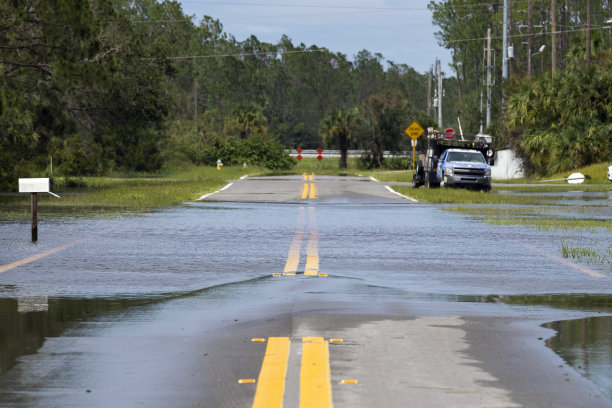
{"x":34,"y":185}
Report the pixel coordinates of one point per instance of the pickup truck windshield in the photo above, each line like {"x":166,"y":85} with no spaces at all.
{"x":465,"y":157}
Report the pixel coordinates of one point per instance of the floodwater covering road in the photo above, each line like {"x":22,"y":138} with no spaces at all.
{"x":305,"y":291}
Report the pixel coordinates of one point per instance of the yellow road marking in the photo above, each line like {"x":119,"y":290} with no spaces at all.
{"x":312,"y":249}
{"x":313,"y":191}
{"x":50,"y":252}
{"x":315,"y":378}
{"x":246,"y":381}
{"x":293,"y":259}
{"x":305,"y":191}
{"x":311,"y":177}
{"x":305,"y":177}
{"x":312,"y":265}
{"x":271,"y":381}
{"x":349,"y":382}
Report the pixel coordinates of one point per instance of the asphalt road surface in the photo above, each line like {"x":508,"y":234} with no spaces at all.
{"x":303,"y":291}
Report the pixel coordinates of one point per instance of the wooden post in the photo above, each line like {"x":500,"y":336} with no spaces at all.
{"x":34,"y":204}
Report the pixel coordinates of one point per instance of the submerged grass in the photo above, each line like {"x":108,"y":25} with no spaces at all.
{"x":589,"y":255}
{"x":462,"y":196}
{"x":540,"y":218}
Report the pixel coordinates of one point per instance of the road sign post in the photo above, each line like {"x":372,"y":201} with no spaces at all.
{"x":414,"y":131}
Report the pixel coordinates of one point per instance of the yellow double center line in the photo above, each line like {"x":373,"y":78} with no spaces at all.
{"x":312,"y":247}
{"x":309,"y":189}
{"x":315,"y":377}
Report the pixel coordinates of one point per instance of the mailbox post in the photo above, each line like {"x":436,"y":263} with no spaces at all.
{"x":35,"y":186}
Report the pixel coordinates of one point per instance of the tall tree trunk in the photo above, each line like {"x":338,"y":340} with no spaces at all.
{"x":343,"y":141}
{"x":588,"y":32}
{"x":459,"y":88}
{"x":378,"y":152}
{"x":564,"y":32}
{"x":553,"y":42}
{"x":543,"y":17}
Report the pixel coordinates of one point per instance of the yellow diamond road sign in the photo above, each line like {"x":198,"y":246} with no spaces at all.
{"x":414,"y":130}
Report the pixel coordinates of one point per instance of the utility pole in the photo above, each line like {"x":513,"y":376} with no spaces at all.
{"x":489,"y":84}
{"x":480,"y":113}
{"x":529,"y":28}
{"x":510,"y":34}
{"x":505,"y":42}
{"x":553,"y":41}
{"x":439,"y":72}
{"x":429,"y":105}
{"x":195,"y":103}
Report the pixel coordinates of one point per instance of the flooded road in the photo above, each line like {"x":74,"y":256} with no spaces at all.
{"x":161,"y":309}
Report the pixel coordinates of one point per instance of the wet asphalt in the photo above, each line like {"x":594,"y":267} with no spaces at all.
{"x":160,"y":309}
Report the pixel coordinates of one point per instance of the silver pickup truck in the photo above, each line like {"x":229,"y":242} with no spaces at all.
{"x":464,"y":168}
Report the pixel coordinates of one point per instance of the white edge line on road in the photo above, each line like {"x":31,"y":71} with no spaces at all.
{"x":218,"y":191}
{"x":401,"y":195}
{"x":373,"y":179}
{"x":243,"y":177}
{"x":563,"y":261}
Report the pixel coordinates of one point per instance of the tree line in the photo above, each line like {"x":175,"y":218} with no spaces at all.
{"x":90,"y":86}
{"x":555,"y":107}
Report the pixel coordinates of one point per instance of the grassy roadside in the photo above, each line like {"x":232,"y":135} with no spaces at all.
{"x":86,"y":196}
{"x":110,"y":196}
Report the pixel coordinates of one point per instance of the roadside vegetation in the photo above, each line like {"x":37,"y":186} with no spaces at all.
{"x":125,"y":193}
{"x":92,"y":87}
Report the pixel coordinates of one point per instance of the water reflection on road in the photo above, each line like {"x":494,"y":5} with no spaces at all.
{"x":586,"y":345}
{"x":393,"y":252}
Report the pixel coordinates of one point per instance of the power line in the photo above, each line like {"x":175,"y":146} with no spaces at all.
{"x":526,"y":35}
{"x":473,"y":6}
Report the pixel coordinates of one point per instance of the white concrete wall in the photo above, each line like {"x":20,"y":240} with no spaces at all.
{"x":507,"y":166}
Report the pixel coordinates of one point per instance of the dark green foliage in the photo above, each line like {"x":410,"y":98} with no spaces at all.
{"x":89,"y":86}
{"x":555,"y":122}
{"x":256,"y":150}
{"x":564,"y":121}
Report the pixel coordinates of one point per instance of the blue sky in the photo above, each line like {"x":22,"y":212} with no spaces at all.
{"x":400,"y":30}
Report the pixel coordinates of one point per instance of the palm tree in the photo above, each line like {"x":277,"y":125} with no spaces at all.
{"x":337,"y":127}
